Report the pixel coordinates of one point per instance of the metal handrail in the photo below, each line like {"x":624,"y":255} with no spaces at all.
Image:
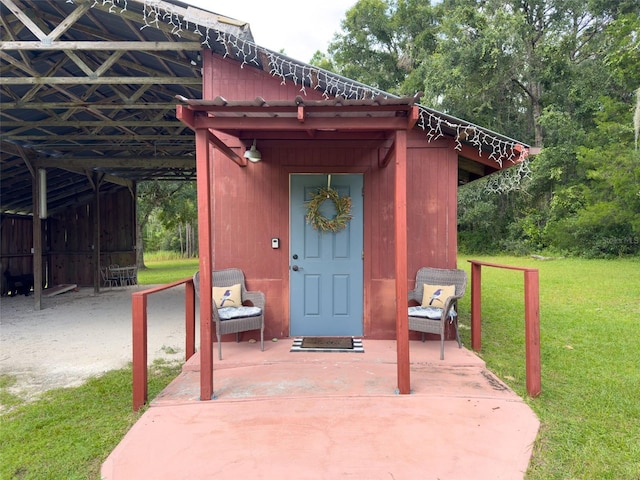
{"x":531,"y":318}
{"x":139,"y":330}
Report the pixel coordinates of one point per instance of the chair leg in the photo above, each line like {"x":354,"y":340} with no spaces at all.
{"x":458,"y":338}
{"x":219,"y":348}
{"x":262,"y":339}
{"x":441,"y":347}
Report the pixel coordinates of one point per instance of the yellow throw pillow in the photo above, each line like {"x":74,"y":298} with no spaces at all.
{"x":436,"y":295}
{"x":227,"y":296}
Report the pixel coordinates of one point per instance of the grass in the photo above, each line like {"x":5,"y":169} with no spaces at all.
{"x":69,"y":432}
{"x":589,"y":408}
{"x":161,"y":268}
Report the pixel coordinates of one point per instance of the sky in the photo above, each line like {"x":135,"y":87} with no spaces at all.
{"x":297,"y":26}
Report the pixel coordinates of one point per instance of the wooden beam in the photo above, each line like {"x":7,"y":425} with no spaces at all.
{"x":113,"y":162}
{"x":75,"y":104}
{"x":26,"y":21}
{"x":383,"y":162}
{"x":414,"y":115}
{"x":141,"y":46}
{"x":100,"y":81}
{"x":400,"y":219}
{"x":186,"y":116}
{"x":360,"y":124}
{"x":205,"y":232}
{"x":227,"y":150}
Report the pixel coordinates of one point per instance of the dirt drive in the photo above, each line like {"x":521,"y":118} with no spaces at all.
{"x":77,"y":335}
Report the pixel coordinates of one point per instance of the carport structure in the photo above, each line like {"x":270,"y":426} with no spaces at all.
{"x":88,"y":111}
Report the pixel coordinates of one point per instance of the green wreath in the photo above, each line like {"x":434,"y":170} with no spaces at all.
{"x":322,"y":223}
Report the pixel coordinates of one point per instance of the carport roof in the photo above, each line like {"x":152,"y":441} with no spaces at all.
{"x":88,"y":90}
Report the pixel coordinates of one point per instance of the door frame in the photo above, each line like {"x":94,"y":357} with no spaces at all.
{"x":363,"y":170}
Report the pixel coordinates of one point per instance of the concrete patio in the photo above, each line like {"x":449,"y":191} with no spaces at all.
{"x":303,"y":415}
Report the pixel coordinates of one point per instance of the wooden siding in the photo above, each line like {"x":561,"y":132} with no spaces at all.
{"x":68,"y":241}
{"x":16,"y":240}
{"x":251,"y":205}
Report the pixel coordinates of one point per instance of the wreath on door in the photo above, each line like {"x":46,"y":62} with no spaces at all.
{"x":322,"y":223}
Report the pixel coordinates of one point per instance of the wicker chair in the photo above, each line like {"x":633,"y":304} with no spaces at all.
{"x":429,"y":320}
{"x":227,"y":278}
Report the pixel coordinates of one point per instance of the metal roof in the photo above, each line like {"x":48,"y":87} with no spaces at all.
{"x":88,"y":90}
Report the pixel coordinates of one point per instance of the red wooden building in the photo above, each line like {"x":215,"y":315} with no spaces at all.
{"x":399,"y":163}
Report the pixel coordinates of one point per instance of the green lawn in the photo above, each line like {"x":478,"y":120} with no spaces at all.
{"x":590,"y":338}
{"x":589,"y":407}
{"x":161,"y":270}
{"x":69,"y":432}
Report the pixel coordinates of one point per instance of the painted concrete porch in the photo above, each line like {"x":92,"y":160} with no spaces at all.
{"x":281,"y":414}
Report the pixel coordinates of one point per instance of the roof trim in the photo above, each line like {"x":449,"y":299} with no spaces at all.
{"x":499,"y":148}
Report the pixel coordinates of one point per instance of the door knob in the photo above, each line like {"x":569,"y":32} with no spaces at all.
{"x":295,"y":268}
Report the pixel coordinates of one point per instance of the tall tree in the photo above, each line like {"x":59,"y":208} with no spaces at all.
{"x":380,"y":40}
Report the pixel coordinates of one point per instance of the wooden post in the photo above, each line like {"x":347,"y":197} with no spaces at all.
{"x":97,"y":276}
{"x":36,"y":254}
{"x":476,"y":306}
{"x":402,"y":320}
{"x":205,"y":215}
{"x":190,"y":319}
{"x":139,"y":341}
{"x":532,"y":331}
{"x":531,"y":319}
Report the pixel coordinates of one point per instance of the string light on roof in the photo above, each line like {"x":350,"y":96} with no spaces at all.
{"x":331,"y":85}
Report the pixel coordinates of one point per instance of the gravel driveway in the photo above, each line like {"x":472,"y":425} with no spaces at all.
{"x":77,"y":335}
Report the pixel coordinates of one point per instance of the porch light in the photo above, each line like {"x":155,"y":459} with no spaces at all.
{"x":253,"y":154}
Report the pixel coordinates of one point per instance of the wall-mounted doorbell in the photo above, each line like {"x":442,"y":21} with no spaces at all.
{"x":275,"y":243}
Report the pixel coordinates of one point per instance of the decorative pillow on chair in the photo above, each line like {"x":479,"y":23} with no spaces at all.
{"x":227,"y":296}
{"x":436,"y":295}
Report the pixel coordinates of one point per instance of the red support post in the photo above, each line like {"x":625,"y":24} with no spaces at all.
{"x":205,"y":231}
{"x":139,"y":314}
{"x":532,"y":331}
{"x":402,"y":320}
{"x":139,"y":332}
{"x":476,"y":306}
{"x":531,"y":318}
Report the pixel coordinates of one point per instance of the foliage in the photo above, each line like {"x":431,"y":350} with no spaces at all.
{"x":167,"y":217}
{"x":588,"y":407}
{"x":69,"y":432}
{"x":379,"y":41}
{"x":561,"y":74}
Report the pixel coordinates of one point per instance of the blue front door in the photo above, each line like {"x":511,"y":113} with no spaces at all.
{"x":325,"y":268}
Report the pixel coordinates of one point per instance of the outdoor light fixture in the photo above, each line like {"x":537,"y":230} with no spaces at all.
{"x":253,"y":154}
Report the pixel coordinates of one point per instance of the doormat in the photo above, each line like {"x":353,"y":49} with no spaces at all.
{"x":327,"y":344}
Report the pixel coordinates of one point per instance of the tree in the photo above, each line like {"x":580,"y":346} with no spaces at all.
{"x":159,"y":196}
{"x":555,"y":73}
{"x":380,"y":40}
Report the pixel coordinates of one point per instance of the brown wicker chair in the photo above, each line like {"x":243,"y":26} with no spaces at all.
{"x":418,"y":319}
{"x":227,"y":278}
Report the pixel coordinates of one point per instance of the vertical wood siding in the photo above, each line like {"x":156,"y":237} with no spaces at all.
{"x":251,"y":205}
